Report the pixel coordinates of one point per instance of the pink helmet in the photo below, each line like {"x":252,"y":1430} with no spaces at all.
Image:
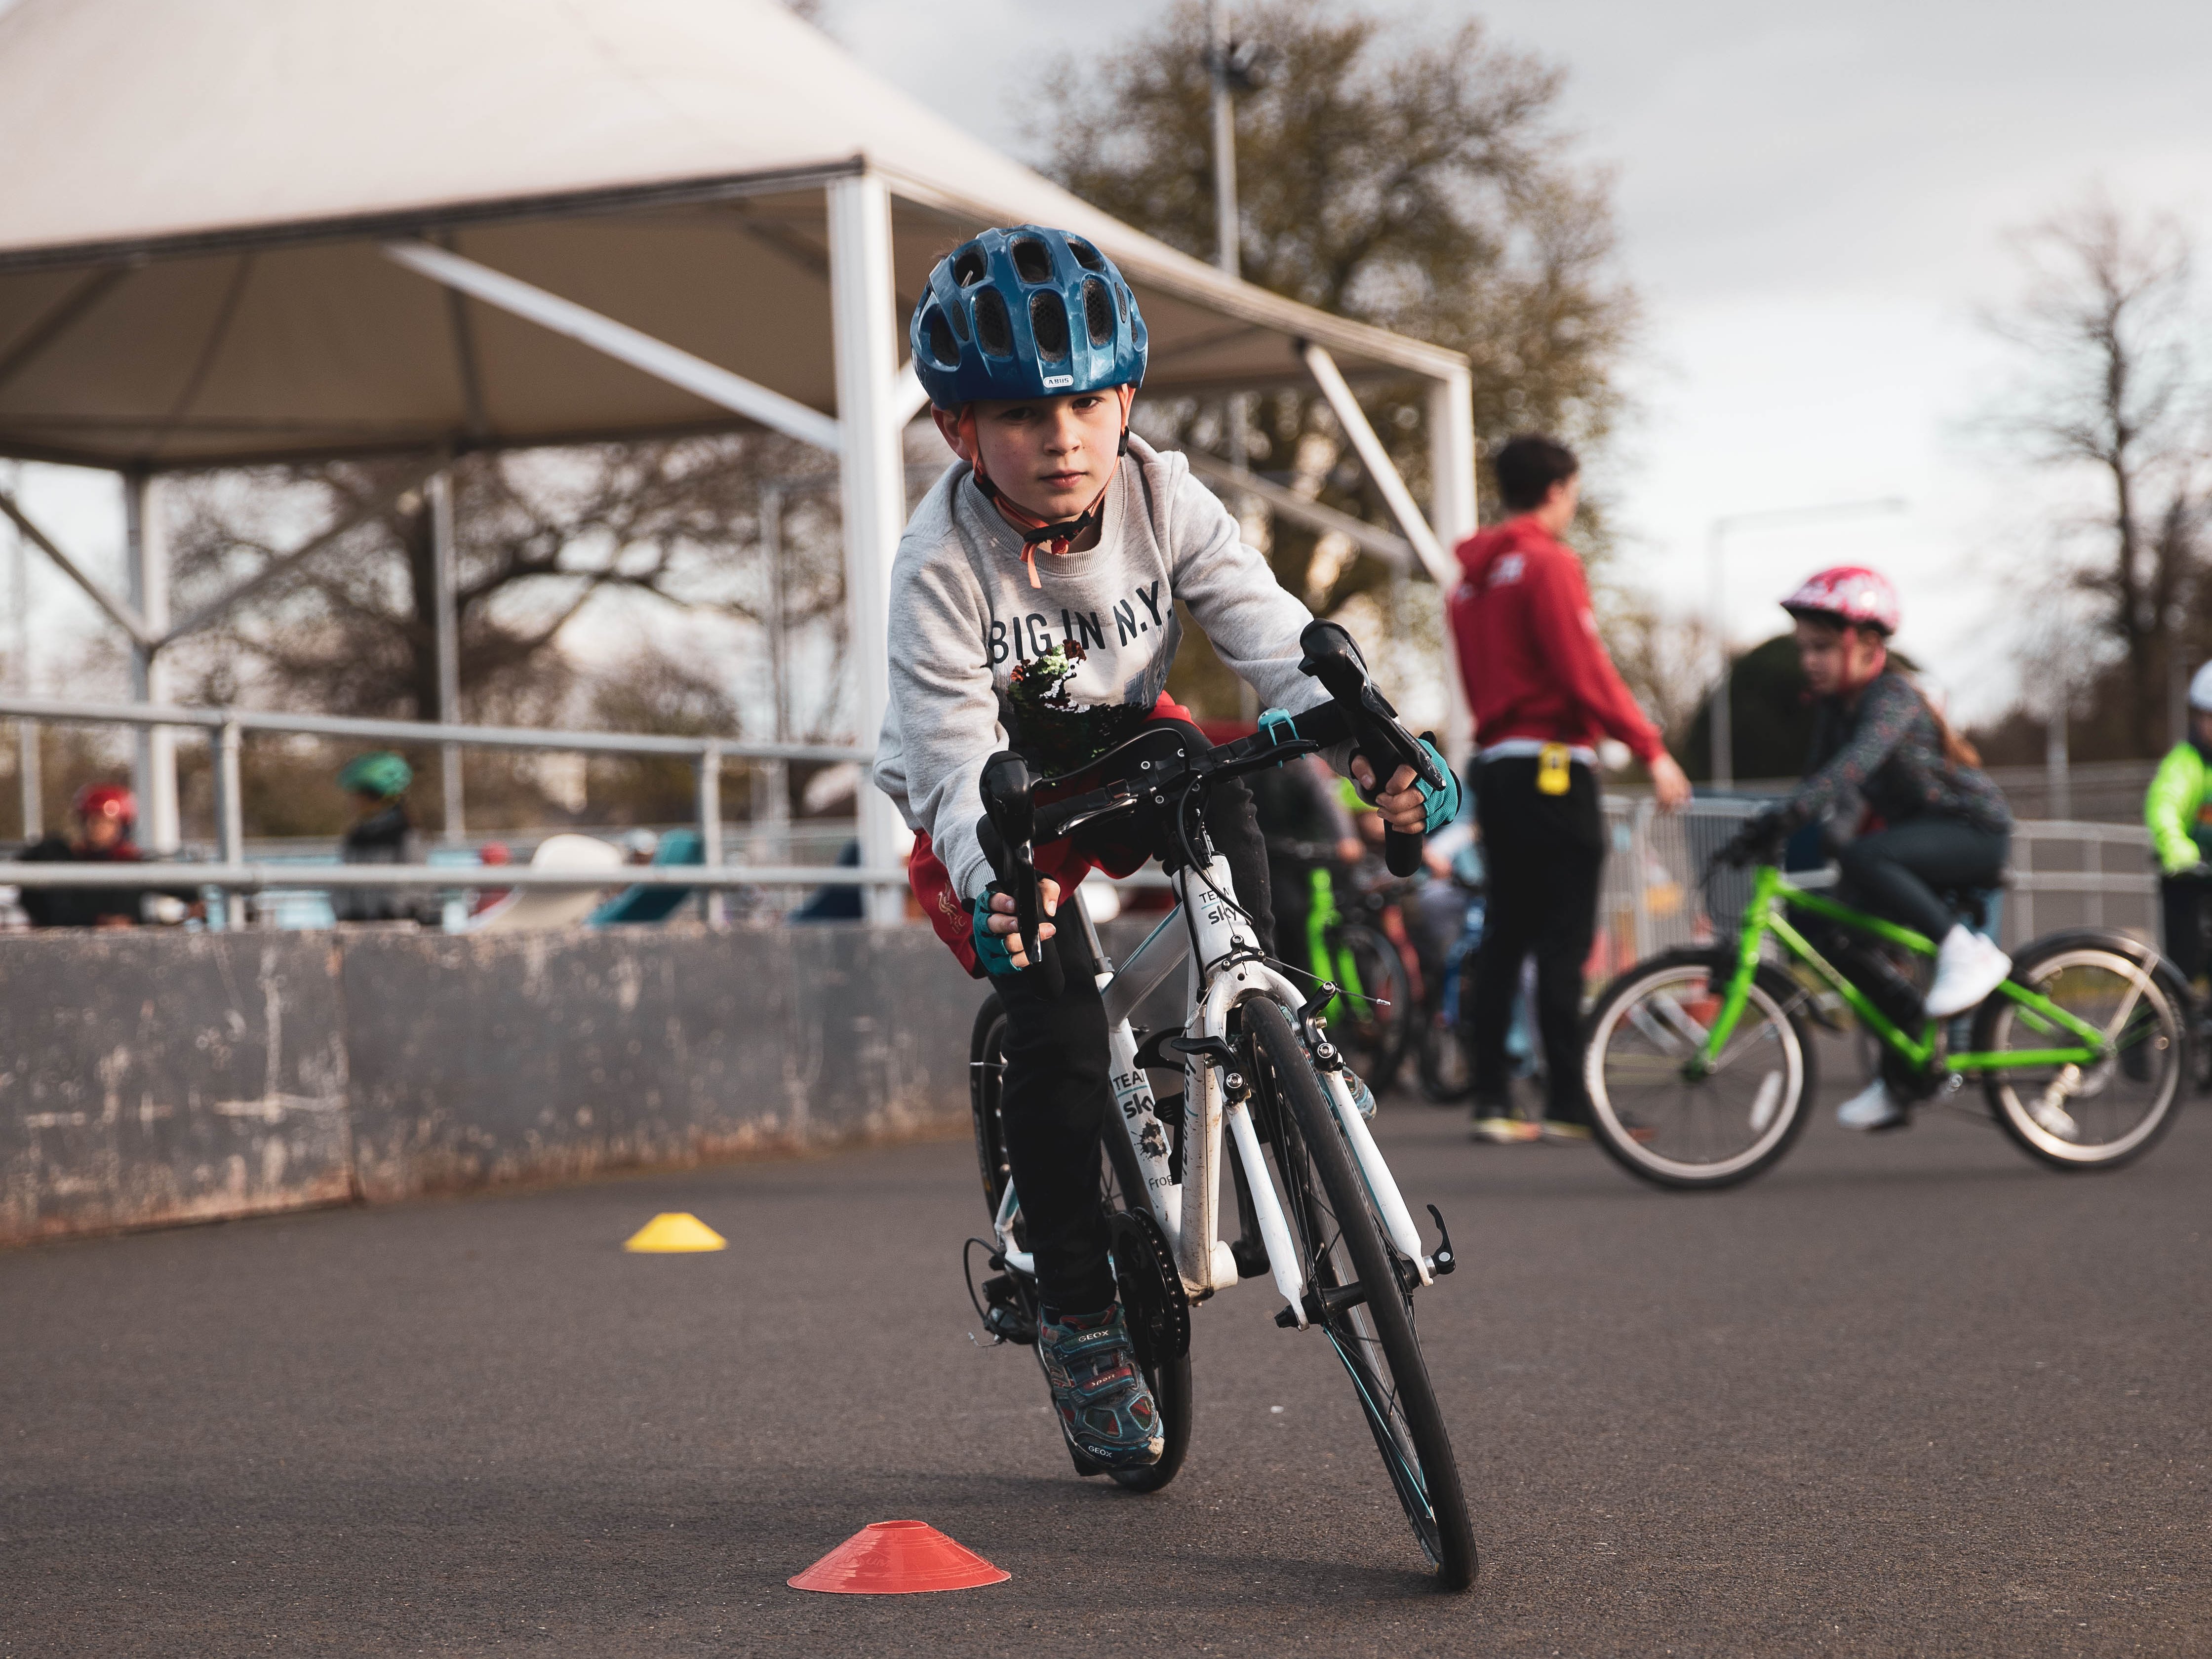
{"x":1850,"y":593}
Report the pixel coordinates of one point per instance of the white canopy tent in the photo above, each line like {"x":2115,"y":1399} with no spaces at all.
{"x":244,"y":231}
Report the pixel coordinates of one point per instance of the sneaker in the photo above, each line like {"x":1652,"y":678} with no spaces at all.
{"x":1497,"y":1125}
{"x":1558,"y":1132}
{"x":2054,"y":1119}
{"x":1873,"y":1107}
{"x":1967,"y":969}
{"x":1105,"y":1410}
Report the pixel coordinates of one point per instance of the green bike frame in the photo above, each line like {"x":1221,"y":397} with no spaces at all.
{"x":1321,"y":914}
{"x":1773,"y":896}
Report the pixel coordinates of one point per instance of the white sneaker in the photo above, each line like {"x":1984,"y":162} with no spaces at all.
{"x":1967,"y":969}
{"x":2055,"y":1120}
{"x":1873,"y":1107}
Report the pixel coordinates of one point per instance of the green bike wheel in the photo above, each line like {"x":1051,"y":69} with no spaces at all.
{"x":1663,"y":1123}
{"x":2101,"y":1115}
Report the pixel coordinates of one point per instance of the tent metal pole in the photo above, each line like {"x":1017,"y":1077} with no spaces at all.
{"x":1394,"y":551}
{"x":27,"y":732}
{"x":1454,"y":509}
{"x":445,"y":618}
{"x":871,"y":476}
{"x":1376,"y":459}
{"x":119,"y":612}
{"x":694,"y":375}
{"x":155,"y":768}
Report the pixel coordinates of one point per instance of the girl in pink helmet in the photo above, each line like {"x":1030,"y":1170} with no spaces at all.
{"x":1920,"y":820}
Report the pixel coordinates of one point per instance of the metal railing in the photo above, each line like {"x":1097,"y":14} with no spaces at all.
{"x":226,"y":729}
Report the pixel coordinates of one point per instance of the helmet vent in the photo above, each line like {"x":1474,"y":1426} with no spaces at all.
{"x":1122,"y":300}
{"x":942,"y":346}
{"x":968,"y":266}
{"x":1048,"y":325}
{"x":953,"y":316}
{"x":1032,"y":260}
{"x":994,"y":330}
{"x":1085,"y":255}
{"x":1097,"y":312}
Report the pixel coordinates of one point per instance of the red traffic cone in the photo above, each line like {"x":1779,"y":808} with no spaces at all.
{"x":897,"y":1558}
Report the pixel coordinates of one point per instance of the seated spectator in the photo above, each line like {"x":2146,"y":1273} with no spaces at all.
{"x":105,"y":815}
{"x":382,"y":833}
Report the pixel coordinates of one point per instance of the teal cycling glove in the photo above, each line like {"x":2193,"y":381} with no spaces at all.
{"x":994,"y":952}
{"x":1443,"y":803}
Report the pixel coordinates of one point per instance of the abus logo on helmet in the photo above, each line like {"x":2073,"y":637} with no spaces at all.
{"x":1054,"y":382}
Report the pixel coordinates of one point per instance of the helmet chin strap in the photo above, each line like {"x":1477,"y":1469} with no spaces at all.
{"x":1056,"y":537}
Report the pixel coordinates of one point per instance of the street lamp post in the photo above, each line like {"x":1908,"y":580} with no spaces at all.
{"x":1721,"y":725}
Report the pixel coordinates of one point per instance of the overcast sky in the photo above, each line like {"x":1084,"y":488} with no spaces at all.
{"x":1812,"y":203}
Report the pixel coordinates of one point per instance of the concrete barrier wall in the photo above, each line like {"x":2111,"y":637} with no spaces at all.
{"x":152,"y":1078}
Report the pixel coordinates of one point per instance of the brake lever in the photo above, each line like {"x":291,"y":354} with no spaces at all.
{"x":1007,"y":788}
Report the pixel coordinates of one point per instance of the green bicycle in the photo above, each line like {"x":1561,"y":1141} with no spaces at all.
{"x":1700,"y":1067}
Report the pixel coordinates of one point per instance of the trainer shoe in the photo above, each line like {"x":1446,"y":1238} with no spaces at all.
{"x":1873,"y":1107}
{"x":1105,"y":1410}
{"x":1967,"y":969}
{"x":2054,"y":1119}
{"x":1558,"y":1132}
{"x":1498,"y":1124}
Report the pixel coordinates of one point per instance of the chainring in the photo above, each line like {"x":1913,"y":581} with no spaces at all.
{"x":1152,"y":1299}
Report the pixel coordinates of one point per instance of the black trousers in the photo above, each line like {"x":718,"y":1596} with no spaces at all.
{"x":1055,"y":1096}
{"x":1545,"y":854}
{"x":1894,"y":872}
{"x":2183,"y":903}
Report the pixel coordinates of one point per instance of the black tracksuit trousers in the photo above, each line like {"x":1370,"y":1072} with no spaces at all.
{"x":1544,"y":854}
{"x":1055,"y":1096}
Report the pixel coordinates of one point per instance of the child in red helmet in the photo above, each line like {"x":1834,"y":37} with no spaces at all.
{"x":104,"y":816}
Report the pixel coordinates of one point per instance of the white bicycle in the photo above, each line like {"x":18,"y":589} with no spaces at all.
{"x":1319,"y":1212}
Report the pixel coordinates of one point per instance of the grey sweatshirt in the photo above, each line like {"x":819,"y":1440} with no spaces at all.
{"x":964,"y":619}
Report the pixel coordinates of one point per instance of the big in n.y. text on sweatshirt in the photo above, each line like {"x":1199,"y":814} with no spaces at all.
{"x":965,"y":623}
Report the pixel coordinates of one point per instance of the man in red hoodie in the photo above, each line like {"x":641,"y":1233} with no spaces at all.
{"x":1544,"y":693}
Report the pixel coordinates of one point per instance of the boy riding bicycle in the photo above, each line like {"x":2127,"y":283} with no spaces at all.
{"x":2178,"y":809}
{"x":1033,"y":608}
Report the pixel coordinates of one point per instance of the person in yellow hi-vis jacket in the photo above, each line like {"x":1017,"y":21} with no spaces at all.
{"x":2179,"y":809}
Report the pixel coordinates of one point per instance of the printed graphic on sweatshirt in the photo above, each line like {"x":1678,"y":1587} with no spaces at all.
{"x":1038,"y":705}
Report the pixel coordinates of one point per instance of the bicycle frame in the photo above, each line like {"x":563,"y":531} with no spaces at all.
{"x":1223,"y":965}
{"x":1773,"y":894}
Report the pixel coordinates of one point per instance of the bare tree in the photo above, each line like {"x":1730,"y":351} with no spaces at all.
{"x":538,"y":537}
{"x":1390,"y":171}
{"x":2110,"y":392}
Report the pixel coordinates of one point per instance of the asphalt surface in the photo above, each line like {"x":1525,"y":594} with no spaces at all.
{"x":1910,"y":1395}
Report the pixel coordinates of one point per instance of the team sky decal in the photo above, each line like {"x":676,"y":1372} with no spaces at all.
{"x":1147,"y":610}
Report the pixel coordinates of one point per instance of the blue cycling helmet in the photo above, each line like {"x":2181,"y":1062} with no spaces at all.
{"x":1025,"y":313}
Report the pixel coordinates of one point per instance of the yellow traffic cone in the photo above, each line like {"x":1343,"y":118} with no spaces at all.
{"x":667,"y":1234}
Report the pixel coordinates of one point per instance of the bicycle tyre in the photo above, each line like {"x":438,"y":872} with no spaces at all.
{"x":2165,"y":1040}
{"x":1325,"y":1192}
{"x":1774,"y":997}
{"x":1168,"y":1375}
{"x":1379,"y":1032}
{"x":1441,"y":1062}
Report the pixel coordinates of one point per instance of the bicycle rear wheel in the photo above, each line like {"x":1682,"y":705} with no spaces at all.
{"x":2099,"y":1117}
{"x":1670,"y":1128}
{"x":1378,"y":1001}
{"x":1138,"y":1251}
{"x":1356,"y":1288}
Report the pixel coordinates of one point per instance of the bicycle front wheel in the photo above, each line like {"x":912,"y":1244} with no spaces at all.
{"x":2099,"y":1115}
{"x":1670,"y":1125}
{"x":1356,"y":1288}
